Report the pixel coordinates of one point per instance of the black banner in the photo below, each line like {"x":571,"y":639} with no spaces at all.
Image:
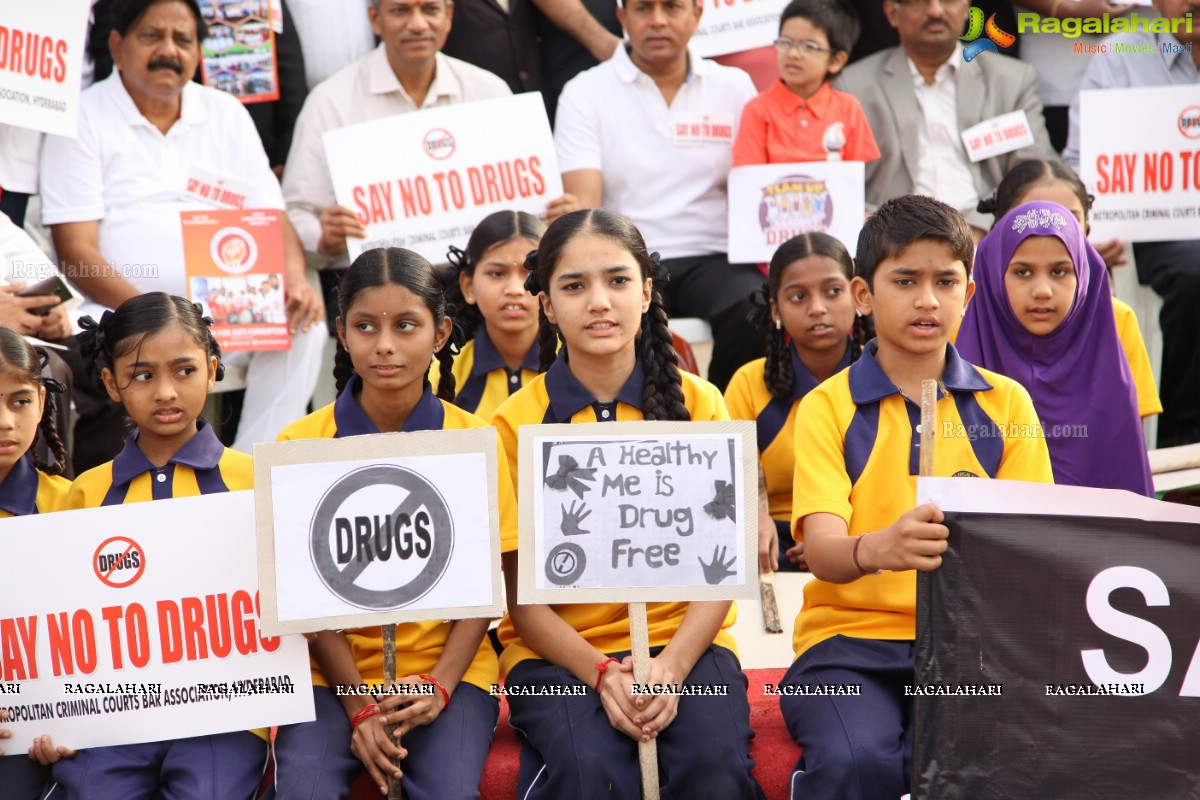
{"x":1090,"y":627}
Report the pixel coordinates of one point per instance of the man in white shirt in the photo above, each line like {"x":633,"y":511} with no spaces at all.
{"x":920,"y":97}
{"x":649,"y":133}
{"x":406,"y":72}
{"x":112,"y":199}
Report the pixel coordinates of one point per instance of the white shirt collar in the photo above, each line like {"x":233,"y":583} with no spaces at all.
{"x":948,"y":69}
{"x":382,"y":78}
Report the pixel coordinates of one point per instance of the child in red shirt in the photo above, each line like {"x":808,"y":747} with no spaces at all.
{"x":800,"y":118}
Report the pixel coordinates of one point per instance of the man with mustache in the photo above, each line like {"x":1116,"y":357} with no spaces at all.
{"x":406,"y":72}
{"x":920,"y":96}
{"x":112,"y":198}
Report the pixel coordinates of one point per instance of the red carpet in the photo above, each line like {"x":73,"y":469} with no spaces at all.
{"x":773,"y":751}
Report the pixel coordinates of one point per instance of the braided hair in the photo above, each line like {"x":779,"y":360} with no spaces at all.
{"x":395,"y":265}
{"x":662,"y":393}
{"x":121,"y":332}
{"x":1023,"y":176}
{"x":499,"y":227}
{"x":28,"y":362}
{"x":778,"y":373}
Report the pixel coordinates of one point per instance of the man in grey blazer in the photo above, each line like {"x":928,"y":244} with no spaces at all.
{"x":920,"y":96}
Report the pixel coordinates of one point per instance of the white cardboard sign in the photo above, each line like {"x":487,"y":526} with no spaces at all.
{"x":41,"y":58}
{"x":423,"y":180}
{"x":638,"y":511}
{"x":142,"y":626}
{"x":387,"y":528}
{"x":771,"y":203}
{"x":731,"y":26}
{"x":1140,"y":157}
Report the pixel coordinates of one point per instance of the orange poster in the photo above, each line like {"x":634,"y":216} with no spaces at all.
{"x":234,"y":263}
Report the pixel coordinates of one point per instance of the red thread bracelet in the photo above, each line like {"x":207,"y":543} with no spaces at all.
{"x":854,"y":555}
{"x":601,"y":668}
{"x":438,"y":684}
{"x":370,"y":710}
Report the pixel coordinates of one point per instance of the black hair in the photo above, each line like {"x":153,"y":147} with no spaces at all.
{"x":1018,"y":180}
{"x":903,"y":220}
{"x":662,"y":393}
{"x":837,"y":18}
{"x":122,"y":331}
{"x":395,"y":265}
{"x":496,"y":228}
{"x":28,"y":361}
{"x":778,"y":373}
{"x":126,"y":13}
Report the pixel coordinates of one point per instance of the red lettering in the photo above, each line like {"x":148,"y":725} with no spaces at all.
{"x":18,"y":648}
{"x":112,"y":615}
{"x":83,"y":634}
{"x":363,"y":214}
{"x":60,"y":644}
{"x":243,"y":629}
{"x":1191,"y":180}
{"x":193,"y":628}
{"x":476,"y":182}
{"x":59,"y":73}
{"x":539,"y":183}
{"x":219,"y":640}
{"x":18,"y":45}
{"x":457,"y":196}
{"x":489,"y":181}
{"x":1160,"y":172}
{"x":137,"y":635}
{"x":170,"y":639}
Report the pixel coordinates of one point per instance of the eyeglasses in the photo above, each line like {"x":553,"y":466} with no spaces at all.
{"x":805,"y":48}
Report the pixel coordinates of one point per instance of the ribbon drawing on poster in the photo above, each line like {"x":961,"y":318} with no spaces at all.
{"x":235,"y":270}
{"x":637,"y":510}
{"x":771,"y":203}
{"x":422,"y":180}
{"x":239,"y":53}
{"x":41,"y":58}
{"x":732,"y":26}
{"x":1143,"y":164}
{"x":136,"y":635}
{"x":384,"y":528}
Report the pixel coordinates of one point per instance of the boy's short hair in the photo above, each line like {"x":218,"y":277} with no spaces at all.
{"x":903,"y":220}
{"x":837,"y":18}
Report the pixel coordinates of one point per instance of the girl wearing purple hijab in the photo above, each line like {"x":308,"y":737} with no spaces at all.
{"x":1042,"y":315}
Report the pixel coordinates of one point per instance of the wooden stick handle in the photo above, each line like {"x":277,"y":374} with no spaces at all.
{"x":929,"y":389}
{"x":389,"y":677}
{"x":639,"y":638}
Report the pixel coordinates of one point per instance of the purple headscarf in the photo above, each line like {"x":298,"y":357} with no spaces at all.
{"x":1078,"y":374}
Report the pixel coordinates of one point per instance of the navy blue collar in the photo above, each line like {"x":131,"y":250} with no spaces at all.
{"x":803,"y":381}
{"x":18,"y":492}
{"x":203,"y":451}
{"x":350,"y":419}
{"x":568,"y":396}
{"x":487,"y":358}
{"x":869,"y":383}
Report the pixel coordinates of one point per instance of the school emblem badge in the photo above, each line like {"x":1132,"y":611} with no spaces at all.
{"x":381,"y":537}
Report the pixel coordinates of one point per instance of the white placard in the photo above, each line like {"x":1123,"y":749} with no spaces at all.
{"x":998,"y":135}
{"x":41,"y":61}
{"x":629,"y":512}
{"x":367,"y":530}
{"x":731,"y":26}
{"x":423,"y":180}
{"x":1139,"y":154}
{"x":771,"y":203}
{"x":136,"y":623}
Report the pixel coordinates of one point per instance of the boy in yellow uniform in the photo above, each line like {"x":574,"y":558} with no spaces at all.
{"x":857,"y":455}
